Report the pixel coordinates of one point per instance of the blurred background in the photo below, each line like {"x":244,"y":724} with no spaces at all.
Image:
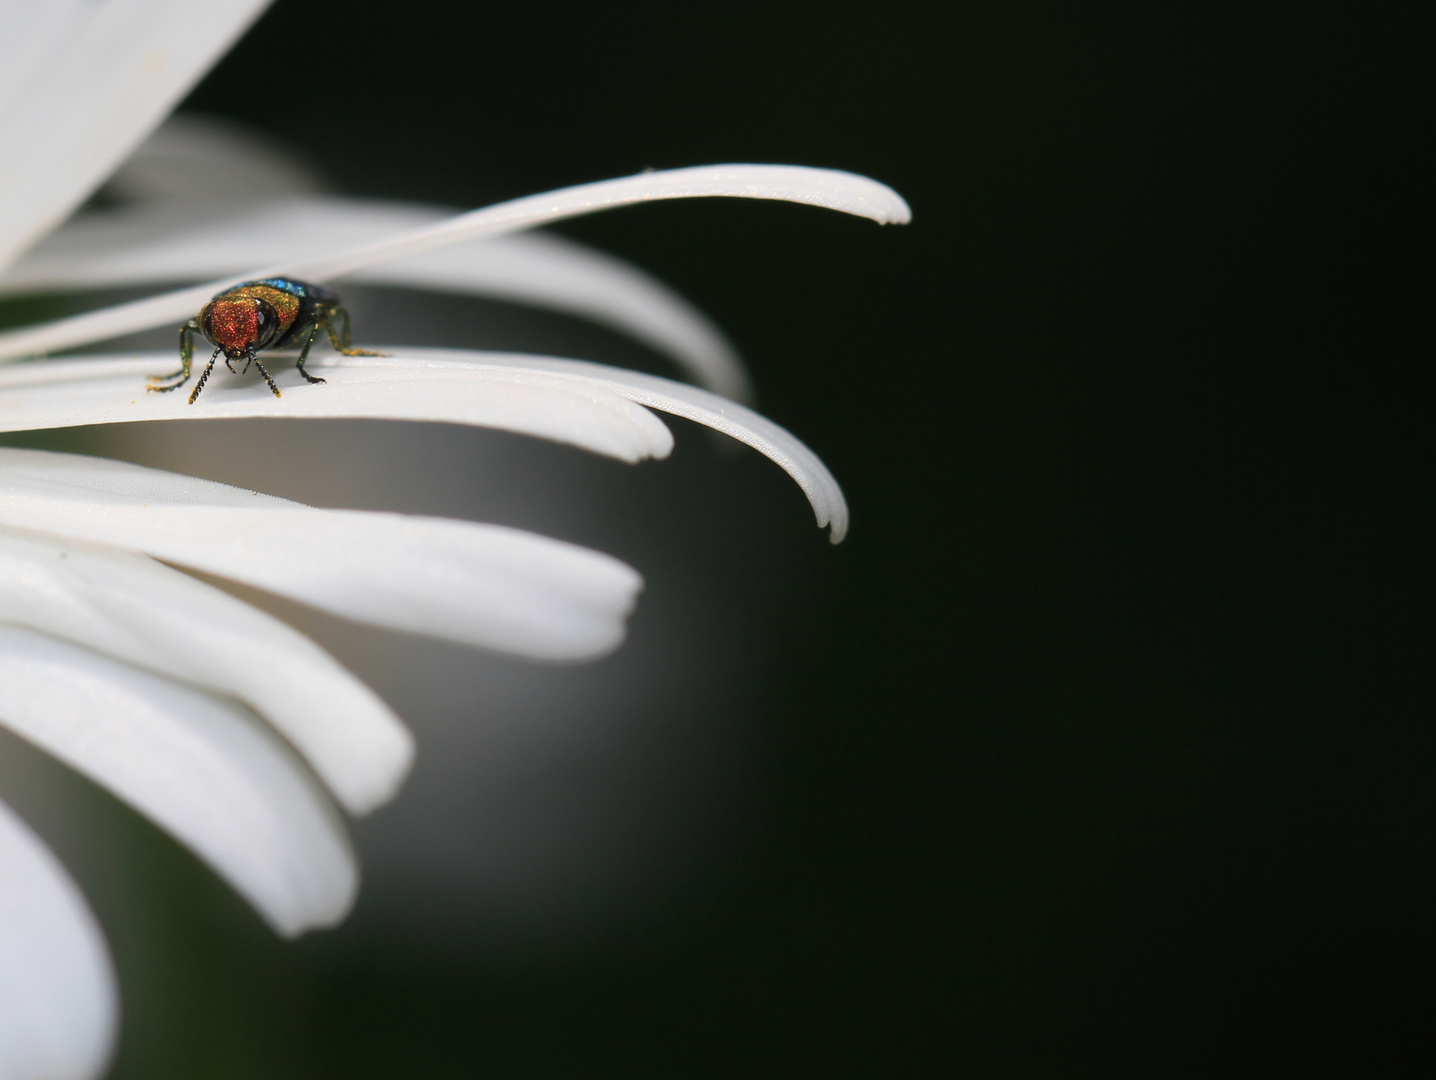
{"x":1096,"y":748}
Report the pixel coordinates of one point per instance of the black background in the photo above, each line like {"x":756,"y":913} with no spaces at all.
{"x":1101,"y":753}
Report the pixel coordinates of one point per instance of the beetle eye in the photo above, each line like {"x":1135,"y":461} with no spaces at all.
{"x":266,"y":322}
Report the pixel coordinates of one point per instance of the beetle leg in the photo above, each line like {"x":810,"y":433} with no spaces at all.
{"x":304,"y":354}
{"x":255,"y":361}
{"x":202,"y":379}
{"x":187,"y":333}
{"x":338,"y":326}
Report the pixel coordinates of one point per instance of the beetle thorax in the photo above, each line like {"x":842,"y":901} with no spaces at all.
{"x":239,"y":325}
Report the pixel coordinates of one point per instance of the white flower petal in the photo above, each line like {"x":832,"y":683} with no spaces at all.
{"x":58,"y":1002}
{"x":208,"y":162}
{"x":105,"y":390}
{"x":206,"y":771}
{"x":548,"y":271}
{"x":96,"y":79}
{"x":34,"y":34}
{"x":665,"y":395}
{"x":135,"y":609}
{"x":462,"y":386}
{"x":160,"y":244}
{"x":829,"y":188}
{"x":482,"y":585}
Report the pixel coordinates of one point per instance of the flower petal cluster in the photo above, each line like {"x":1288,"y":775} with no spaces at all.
{"x":201,"y":198}
{"x":226,"y":727}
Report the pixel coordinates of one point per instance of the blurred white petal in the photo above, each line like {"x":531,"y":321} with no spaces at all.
{"x":83,"y":85}
{"x":482,"y":585}
{"x":207,"y":162}
{"x":174,"y":243}
{"x":106,"y":390}
{"x":33,"y":35}
{"x":58,"y":1003}
{"x":206,"y":771}
{"x":829,"y":188}
{"x":132,"y":608}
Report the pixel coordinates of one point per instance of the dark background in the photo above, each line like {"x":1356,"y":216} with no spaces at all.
{"x":1097,"y":748}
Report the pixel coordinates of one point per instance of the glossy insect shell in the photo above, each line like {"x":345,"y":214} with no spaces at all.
{"x":273,"y":313}
{"x":268,"y":314}
{"x":239,"y":323}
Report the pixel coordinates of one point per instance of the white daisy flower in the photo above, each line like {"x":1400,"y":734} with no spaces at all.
{"x":226,"y":727}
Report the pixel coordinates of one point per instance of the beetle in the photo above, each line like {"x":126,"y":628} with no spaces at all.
{"x":275,"y":313}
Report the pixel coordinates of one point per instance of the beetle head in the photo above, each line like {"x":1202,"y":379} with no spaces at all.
{"x":239,"y":325}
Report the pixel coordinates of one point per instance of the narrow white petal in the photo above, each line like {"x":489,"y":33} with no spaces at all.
{"x":58,"y":1002}
{"x":552,"y":272}
{"x":206,"y":771}
{"x":416,"y":384}
{"x":829,"y":188}
{"x":690,"y":402}
{"x":174,"y":243}
{"x":132,"y":608}
{"x":178,"y":241}
{"x":62,"y":393}
{"x":482,"y":585}
{"x":96,"y":79}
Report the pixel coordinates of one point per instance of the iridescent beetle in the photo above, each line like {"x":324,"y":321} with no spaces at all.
{"x":276,"y":313}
